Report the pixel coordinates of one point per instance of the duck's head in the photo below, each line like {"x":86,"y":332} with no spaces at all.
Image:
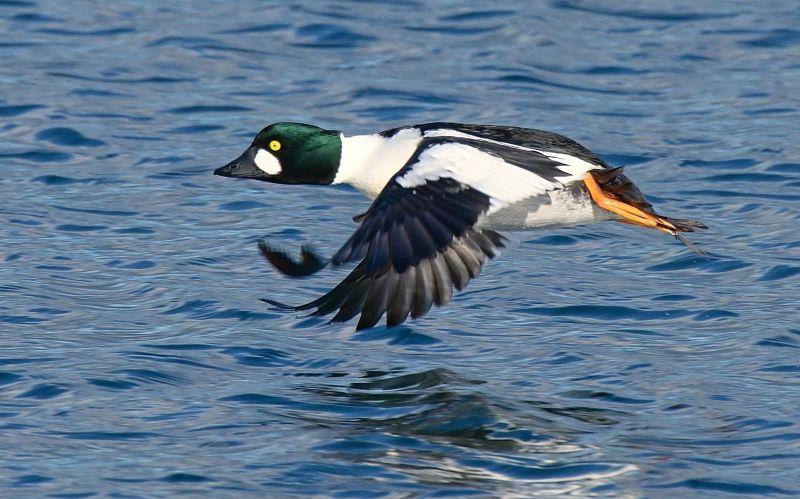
{"x":289,"y":153}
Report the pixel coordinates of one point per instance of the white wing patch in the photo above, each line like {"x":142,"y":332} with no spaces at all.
{"x":573,"y":165}
{"x":267,"y":163}
{"x":504,"y":183}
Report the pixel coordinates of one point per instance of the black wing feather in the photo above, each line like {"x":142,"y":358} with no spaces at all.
{"x":415,"y":245}
{"x":310,"y":262}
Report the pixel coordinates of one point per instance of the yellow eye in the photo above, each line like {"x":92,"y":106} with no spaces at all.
{"x":274,"y":145}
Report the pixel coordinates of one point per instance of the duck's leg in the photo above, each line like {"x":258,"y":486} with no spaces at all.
{"x":629,"y":213}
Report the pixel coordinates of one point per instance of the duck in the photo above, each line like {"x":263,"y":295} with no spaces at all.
{"x":442,"y":195}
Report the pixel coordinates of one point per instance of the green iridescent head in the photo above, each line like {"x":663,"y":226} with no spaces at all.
{"x":289,"y":153}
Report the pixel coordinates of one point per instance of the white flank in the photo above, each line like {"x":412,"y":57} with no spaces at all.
{"x":504,"y":183}
{"x":369,"y":161}
{"x":267,"y":163}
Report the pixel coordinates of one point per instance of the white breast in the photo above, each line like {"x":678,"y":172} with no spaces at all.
{"x":369,"y":161}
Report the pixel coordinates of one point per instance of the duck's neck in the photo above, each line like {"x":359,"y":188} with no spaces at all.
{"x":369,"y":161}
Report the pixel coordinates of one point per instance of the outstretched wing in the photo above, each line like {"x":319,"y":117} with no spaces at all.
{"x":419,"y":238}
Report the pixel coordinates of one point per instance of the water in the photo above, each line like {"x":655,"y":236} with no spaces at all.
{"x":137,"y":360}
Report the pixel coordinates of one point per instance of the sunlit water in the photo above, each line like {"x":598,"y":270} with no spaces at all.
{"x":137,"y":360}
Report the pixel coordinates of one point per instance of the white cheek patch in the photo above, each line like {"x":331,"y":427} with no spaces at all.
{"x":267,"y":163}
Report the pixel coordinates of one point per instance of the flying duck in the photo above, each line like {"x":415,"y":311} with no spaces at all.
{"x":441,"y":192}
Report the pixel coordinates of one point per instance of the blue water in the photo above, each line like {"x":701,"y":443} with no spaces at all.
{"x":137,"y":360}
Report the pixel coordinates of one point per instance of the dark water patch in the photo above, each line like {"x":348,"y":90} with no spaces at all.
{"x":202,"y":44}
{"x":43,"y":391}
{"x":96,"y":92}
{"x":674,"y":297}
{"x":180,"y":41}
{"x":780,"y":272}
{"x":170,"y":359}
{"x":185,"y":478}
{"x":257,"y":28}
{"x":404,"y":95}
{"x":6,"y":378}
{"x":167,"y":160}
{"x":241,"y":315}
{"x":107,"y":435}
{"x":20,"y":319}
{"x":58,"y":180}
{"x":105,"y":213}
{"x":785,"y":168}
{"x":203,"y":309}
{"x":208,"y":109}
{"x":101,"y":33}
{"x":390,"y":113}
{"x":605,"y":396}
{"x":134,"y":230}
{"x":790,"y":368}
{"x":136,"y":265}
{"x":616,"y":158}
{"x":29,"y":480}
{"x":729,"y":487}
{"x":27,"y":360}
{"x":748,"y":177}
{"x":18,"y":110}
{"x":769,"y":111}
{"x":612,"y":70}
{"x":697,"y":262}
{"x":538,"y":81}
{"x":182,"y":346}
{"x":329,"y":36}
{"x":555,"y":240}
{"x":29,"y":223}
{"x":776,"y":38}
{"x":740,"y":163}
{"x":381,"y":381}
{"x":477,"y":15}
{"x":242,"y":205}
{"x":454,"y":29}
{"x":259,"y":357}
{"x":16,"y":3}
{"x":707,"y":315}
{"x":80,"y":228}
{"x":782,"y":341}
{"x":127,"y":81}
{"x":53,"y":268}
{"x":396,"y":336}
{"x":112,"y":384}
{"x":192,"y":129}
{"x":641,"y":14}
{"x":18,"y":44}
{"x":734,"y":194}
{"x":67,"y":137}
{"x":149,"y":376}
{"x":605,"y":312}
{"x":39,"y":156}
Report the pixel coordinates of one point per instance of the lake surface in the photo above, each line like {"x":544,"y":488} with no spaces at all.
{"x":137,"y":359}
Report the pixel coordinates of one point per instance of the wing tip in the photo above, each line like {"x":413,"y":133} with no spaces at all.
{"x":310,"y":261}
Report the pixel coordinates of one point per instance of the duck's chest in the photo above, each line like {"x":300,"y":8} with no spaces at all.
{"x":369,"y":161}
{"x":571,"y":205}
